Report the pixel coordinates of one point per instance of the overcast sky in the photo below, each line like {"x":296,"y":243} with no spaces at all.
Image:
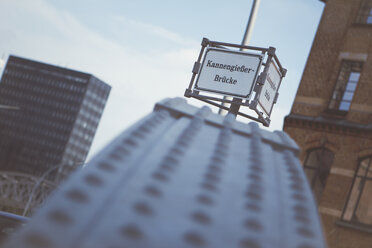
{"x":145,"y":49}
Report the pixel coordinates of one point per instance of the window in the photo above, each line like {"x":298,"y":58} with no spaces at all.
{"x":346,"y":84}
{"x":365,"y":13}
{"x":317,"y":166}
{"x":358,"y":208}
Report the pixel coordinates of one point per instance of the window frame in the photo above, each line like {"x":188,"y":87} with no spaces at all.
{"x":317,"y":169}
{"x":364,"y":15}
{"x":352,"y":222}
{"x":341,"y":90}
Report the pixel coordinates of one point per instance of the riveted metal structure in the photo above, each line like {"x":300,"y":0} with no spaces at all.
{"x":183,"y":177}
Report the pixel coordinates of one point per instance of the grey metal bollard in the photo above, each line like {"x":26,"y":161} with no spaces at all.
{"x":183,"y":177}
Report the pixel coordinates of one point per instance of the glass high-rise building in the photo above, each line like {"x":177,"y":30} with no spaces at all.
{"x":54,"y":116}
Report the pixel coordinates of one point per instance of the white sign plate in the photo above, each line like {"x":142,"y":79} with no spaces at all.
{"x":270,"y":88}
{"x":229,"y":72}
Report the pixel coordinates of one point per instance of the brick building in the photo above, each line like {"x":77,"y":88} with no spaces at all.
{"x":331,"y":120}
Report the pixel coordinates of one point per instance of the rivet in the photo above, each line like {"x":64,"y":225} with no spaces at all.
{"x":214,"y":168}
{"x":132,"y":231}
{"x":293,"y":171}
{"x":249,"y":243}
{"x":301,"y":218}
{"x":143,"y":208}
{"x":299,"y":197}
{"x":93,"y":180}
{"x":201,"y":218}
{"x":253,"y":207}
{"x":256,"y":168}
{"x":115,"y":156}
{"x":107,"y":167}
{"x":296,"y":178}
{"x":160,"y":176}
{"x":209,"y":186}
{"x":254,"y":176}
{"x":305,"y":246}
{"x":138,"y":134}
{"x":255,"y":187}
{"x":77,"y":196}
{"x":253,"y":225}
{"x":204,"y":199}
{"x":305,"y":232}
{"x":221,"y":151}
{"x":216,"y":159}
{"x":194,"y":239}
{"x":60,"y":217}
{"x":130,"y":142}
{"x":167,"y":167}
{"x":153,"y":191}
{"x":297,"y":187}
{"x":212,"y":177}
{"x":300,"y":209}
{"x":144,"y":128}
{"x":253,"y":195}
{"x":170,"y":159}
{"x":183,"y":142}
{"x":177,"y":150}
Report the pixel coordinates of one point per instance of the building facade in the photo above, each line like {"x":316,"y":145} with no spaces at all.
{"x":56,"y":114}
{"x":331,"y":120}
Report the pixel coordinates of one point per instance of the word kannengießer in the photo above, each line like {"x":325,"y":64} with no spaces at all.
{"x":231,"y":68}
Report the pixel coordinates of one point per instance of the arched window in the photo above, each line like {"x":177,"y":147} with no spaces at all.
{"x":358,"y":208}
{"x":317,"y":166}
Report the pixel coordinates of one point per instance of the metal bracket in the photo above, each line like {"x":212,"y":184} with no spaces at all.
{"x":271,"y":51}
{"x":196,"y":67}
{"x":188,"y":93}
{"x":276,"y":97}
{"x":284,"y":72}
{"x":204,"y":42}
{"x":253,"y":104}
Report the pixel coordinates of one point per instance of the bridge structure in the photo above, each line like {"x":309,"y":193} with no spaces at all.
{"x":21,"y":190}
{"x":183,"y":177}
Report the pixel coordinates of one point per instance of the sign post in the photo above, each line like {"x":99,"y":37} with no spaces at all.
{"x":221,"y":70}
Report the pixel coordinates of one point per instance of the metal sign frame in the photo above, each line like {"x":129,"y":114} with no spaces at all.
{"x":263,"y":116}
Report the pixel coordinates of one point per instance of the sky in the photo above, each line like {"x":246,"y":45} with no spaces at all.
{"x":146,"y":49}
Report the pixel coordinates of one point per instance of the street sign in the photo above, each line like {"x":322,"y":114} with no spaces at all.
{"x":251,"y":75}
{"x":229,"y":72}
{"x":270,"y":88}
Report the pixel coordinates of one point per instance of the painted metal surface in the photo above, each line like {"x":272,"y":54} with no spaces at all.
{"x":183,"y":177}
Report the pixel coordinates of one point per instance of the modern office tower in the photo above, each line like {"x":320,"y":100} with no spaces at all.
{"x":55,"y":115}
{"x":331,"y":120}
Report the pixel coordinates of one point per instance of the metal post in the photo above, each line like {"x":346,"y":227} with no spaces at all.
{"x":251,"y":21}
{"x":234,"y":108}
